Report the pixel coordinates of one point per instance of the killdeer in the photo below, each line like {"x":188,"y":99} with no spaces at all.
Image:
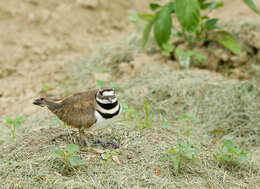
{"x":84,"y":110}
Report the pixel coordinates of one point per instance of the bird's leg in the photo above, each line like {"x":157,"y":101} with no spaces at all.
{"x":83,"y":139}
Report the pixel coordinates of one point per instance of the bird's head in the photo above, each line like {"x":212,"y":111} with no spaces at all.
{"x":106,"y":95}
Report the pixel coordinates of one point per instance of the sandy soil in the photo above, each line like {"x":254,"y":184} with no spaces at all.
{"x":38,"y":37}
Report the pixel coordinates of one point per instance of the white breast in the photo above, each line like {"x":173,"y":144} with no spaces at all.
{"x":98,"y":117}
{"x":101,"y":122}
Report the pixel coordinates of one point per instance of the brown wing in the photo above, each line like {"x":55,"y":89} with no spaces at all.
{"x":78,"y":110}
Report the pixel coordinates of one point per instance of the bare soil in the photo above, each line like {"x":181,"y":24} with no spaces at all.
{"x":38,"y":37}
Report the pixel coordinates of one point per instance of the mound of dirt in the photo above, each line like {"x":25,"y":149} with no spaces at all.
{"x":222,"y":60}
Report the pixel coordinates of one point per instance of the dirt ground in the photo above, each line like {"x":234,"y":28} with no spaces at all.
{"x":38,"y":37}
{"x":42,"y":44}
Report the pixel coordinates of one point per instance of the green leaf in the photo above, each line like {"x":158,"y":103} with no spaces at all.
{"x":20,"y":118}
{"x":242,"y":157}
{"x":214,"y":5}
{"x":10,"y":121}
{"x":147,"y":123}
{"x":72,"y":148}
{"x":230,"y":146}
{"x":165,"y":158}
{"x":211,"y":24}
{"x":171,"y":7}
{"x":75,"y":161}
{"x":124,"y":107}
{"x":147,"y":31}
{"x":114,"y":86}
{"x":188,"y":117}
{"x":230,"y":44}
{"x":154,"y":6}
{"x":199,"y":57}
{"x":173,"y":151}
{"x":167,"y":48}
{"x":176,"y":162}
{"x":134,"y":17}
{"x":188,"y":155}
{"x":146,"y":17}
{"x":59,"y":153}
{"x":211,"y":5}
{"x":188,"y":14}
{"x":251,"y":4}
{"x":165,"y":125}
{"x":163,"y":26}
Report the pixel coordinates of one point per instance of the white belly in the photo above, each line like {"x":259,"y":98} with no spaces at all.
{"x":101,"y":122}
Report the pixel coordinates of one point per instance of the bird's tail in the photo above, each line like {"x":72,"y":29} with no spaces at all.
{"x":39,"y":102}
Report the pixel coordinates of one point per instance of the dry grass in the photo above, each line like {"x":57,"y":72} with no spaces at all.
{"x":229,"y":105}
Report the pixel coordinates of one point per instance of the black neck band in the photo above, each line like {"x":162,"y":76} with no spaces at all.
{"x":108,"y":106}
{"x":108,"y":116}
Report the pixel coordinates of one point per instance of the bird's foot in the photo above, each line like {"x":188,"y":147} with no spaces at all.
{"x":112,"y":143}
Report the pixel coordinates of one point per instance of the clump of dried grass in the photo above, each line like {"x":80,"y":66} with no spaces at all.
{"x":229,"y":105}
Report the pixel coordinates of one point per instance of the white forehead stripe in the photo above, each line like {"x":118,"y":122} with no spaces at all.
{"x":104,"y":101}
{"x":108,"y":93}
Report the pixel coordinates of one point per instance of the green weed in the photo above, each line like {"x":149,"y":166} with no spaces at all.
{"x":14,"y":123}
{"x":229,"y":154}
{"x":108,"y":156}
{"x":131,"y":115}
{"x":183,"y":153}
{"x":68,"y":156}
{"x":195,"y":27}
{"x":48,"y":87}
{"x":188,"y":118}
{"x":186,"y":57}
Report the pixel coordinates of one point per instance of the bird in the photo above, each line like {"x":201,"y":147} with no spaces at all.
{"x":85,"y":109}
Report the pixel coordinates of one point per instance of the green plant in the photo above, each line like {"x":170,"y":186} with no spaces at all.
{"x":14,"y":123}
{"x":230,"y":154}
{"x":68,"y":156}
{"x":186,"y":57}
{"x":131,"y":115}
{"x":109,"y":156}
{"x":195,"y":27}
{"x":48,"y":87}
{"x":183,"y":153}
{"x":188,"y":118}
